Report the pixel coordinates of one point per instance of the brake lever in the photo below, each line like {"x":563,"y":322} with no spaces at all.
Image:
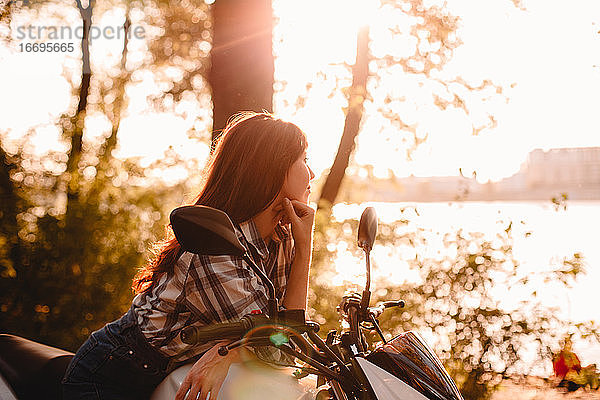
{"x":394,"y":303}
{"x":377,"y":311}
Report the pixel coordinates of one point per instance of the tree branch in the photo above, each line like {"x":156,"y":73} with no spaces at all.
{"x":358,"y":92}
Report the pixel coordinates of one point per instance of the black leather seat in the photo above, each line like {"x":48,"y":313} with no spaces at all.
{"x":33,"y":370}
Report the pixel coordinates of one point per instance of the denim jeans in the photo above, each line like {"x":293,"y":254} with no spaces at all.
{"x":116,"y":362}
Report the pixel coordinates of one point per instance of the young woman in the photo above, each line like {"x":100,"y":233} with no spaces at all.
{"x":259,"y":176}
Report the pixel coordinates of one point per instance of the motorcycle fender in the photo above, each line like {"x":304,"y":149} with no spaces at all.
{"x":6,"y":392}
{"x":385,"y":385}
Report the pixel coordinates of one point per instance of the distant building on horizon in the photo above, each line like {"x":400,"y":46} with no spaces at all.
{"x":544,"y":175}
{"x":570,"y":166}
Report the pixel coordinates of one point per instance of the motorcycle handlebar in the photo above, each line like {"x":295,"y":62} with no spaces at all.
{"x":195,"y":335}
{"x":393,"y":303}
{"x":377,"y":311}
{"x":228,"y":330}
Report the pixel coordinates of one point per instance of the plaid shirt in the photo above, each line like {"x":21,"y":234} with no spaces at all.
{"x":203,"y":290}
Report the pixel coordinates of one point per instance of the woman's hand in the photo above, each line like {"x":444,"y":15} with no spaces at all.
{"x":207,"y":374}
{"x":302,"y":218}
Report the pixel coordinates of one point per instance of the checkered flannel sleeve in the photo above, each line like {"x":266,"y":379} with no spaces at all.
{"x":224,"y":289}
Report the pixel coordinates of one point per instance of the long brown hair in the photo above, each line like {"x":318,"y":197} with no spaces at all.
{"x":243,"y":177}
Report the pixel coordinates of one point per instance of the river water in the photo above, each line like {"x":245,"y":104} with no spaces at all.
{"x":543,"y":236}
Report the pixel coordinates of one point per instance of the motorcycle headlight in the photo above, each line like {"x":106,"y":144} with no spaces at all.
{"x":408,"y":357}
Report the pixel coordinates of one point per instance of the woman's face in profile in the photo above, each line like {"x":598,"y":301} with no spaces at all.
{"x":297,"y":181}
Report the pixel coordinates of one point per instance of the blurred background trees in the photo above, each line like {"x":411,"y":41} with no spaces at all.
{"x":75,"y":225}
{"x":452,"y":299}
{"x":420,"y":43}
{"x":77,"y":220}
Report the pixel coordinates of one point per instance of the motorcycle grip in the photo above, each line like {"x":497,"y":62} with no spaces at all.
{"x":194,"y":335}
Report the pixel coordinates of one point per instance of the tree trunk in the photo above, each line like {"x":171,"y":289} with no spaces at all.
{"x":119,"y":104}
{"x":9,"y":200}
{"x":11,"y":204}
{"x":242,"y":67}
{"x":78,"y":121}
{"x":116,"y":110}
{"x":8,"y":210}
{"x":358,"y":92}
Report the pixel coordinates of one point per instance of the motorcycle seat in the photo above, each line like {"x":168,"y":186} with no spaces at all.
{"x":33,"y":370}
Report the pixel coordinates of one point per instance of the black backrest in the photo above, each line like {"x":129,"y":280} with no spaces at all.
{"x":33,"y":370}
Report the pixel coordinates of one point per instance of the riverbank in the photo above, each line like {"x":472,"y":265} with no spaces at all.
{"x":533,"y":388}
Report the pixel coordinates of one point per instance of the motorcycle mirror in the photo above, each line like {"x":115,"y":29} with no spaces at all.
{"x":367,"y":229}
{"x":205,"y":230}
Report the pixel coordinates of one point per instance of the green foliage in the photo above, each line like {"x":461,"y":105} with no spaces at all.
{"x":455,"y":301}
{"x":324,"y":298}
{"x":183,"y":43}
{"x":75,"y":224}
{"x":560,"y":201}
{"x":65,"y":275}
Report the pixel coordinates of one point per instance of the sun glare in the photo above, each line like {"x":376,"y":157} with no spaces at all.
{"x":322,"y":29}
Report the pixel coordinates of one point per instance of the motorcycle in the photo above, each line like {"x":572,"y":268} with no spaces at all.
{"x":403,"y":368}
